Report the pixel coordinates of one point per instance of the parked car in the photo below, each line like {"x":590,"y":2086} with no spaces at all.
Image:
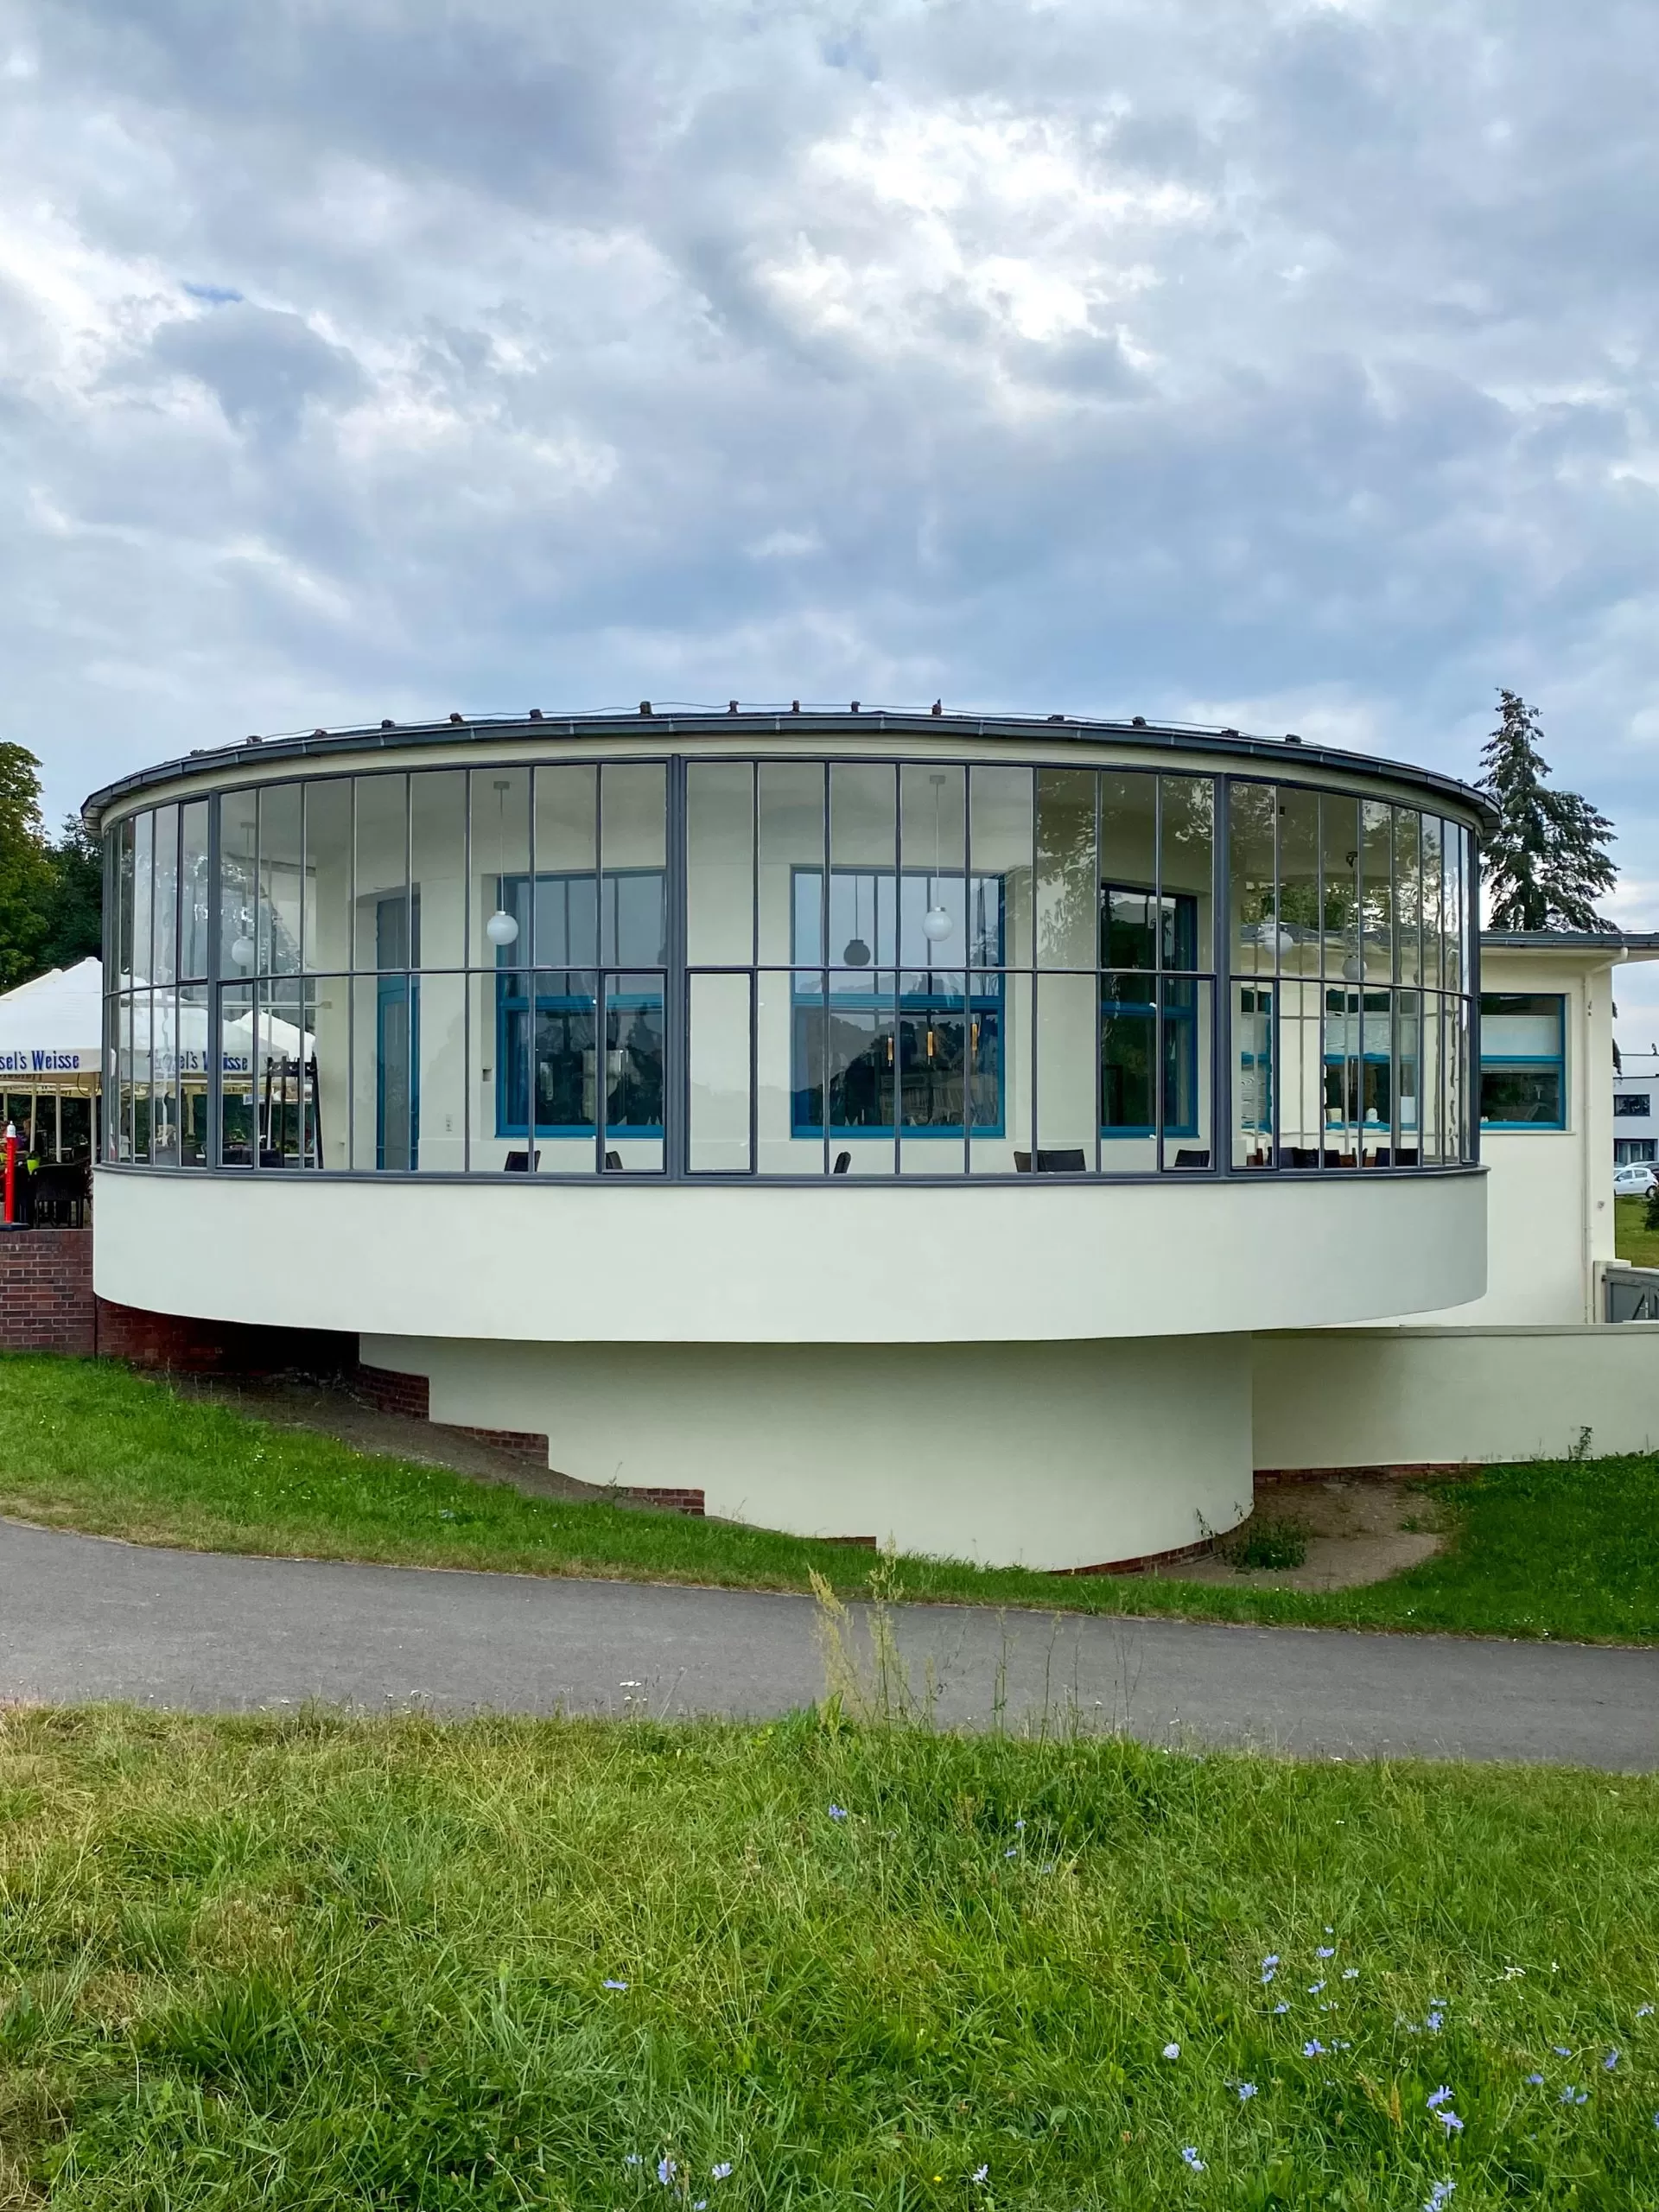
{"x":1634,"y":1180}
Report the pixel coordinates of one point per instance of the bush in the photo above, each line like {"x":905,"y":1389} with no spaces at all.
{"x":1268,"y":1543}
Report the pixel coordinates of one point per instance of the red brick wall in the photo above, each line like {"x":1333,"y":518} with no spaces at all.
{"x":46,"y":1290}
{"x":198,"y":1347}
{"x":393,"y":1393}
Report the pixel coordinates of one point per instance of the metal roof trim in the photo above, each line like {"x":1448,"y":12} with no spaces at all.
{"x":682,"y":723}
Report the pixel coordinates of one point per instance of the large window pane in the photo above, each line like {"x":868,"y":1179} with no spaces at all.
{"x":326,"y":929}
{"x":125,"y":866}
{"x":281,"y":881}
{"x":329,"y":1015}
{"x":718,"y":1064}
{"x":1186,"y":844}
{"x":385,"y":1124}
{"x":437,"y":865}
{"x":1253,"y":1006}
{"x":1129,"y":872}
{"x":196,"y":891}
{"x":1253,"y":816}
{"x":1065,"y":868}
{"x":238,"y":835}
{"x":383,"y":934}
{"x":438,"y":1108}
{"x":1066,"y":1080}
{"x":194,"y":1050}
{"x":165,"y":894}
{"x":235,"y":1042}
{"x":1432,"y":895}
{"x":144,"y":892}
{"x":1002,"y":829}
{"x":791,"y":838}
{"x":1339,"y":865}
{"x":1409,"y":893}
{"x":634,"y":1074}
{"x":720,"y":864}
{"x":499,"y":931}
{"x":1377,"y":890}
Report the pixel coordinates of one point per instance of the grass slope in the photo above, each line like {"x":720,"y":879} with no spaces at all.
{"x":316,"y":1964}
{"x":1550,"y":1548}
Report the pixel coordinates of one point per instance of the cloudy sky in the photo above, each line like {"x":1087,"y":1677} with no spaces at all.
{"x":1252,"y":361}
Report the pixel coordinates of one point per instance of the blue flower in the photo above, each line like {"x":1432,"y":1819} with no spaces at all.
{"x":1246,"y":2091}
{"x":614,"y":1985}
{"x":1019,"y":1824}
{"x":1325,"y":1951}
{"x":1561,"y":2051}
{"x":1012,"y":1851}
{"x":1172,"y":2050}
{"x":633,"y":2158}
{"x":1572,"y":2096}
{"x":1351,"y":1973}
{"x":1436,"y":2098}
{"x":719,"y":2172}
{"x":1450,"y":2122}
{"x":1536,"y":2081}
{"x":1643,"y":2011}
{"x":1313,"y":2048}
{"x":983,"y":2173}
{"x":666,"y":2169}
{"x":1315,"y":1987}
{"x":1281,"y":2006}
{"x":1192,"y":2159}
{"x":1438,"y":2195}
{"x":1610,"y":2062}
{"x":1436,"y":2020}
{"x":837,"y":1812}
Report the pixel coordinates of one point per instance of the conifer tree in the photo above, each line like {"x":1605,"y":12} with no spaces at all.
{"x":1547,"y":862}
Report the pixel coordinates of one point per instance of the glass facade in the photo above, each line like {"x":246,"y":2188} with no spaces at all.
{"x":766,"y":968}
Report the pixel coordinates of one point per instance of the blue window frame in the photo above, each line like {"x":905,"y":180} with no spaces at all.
{"x":1143,"y":933}
{"x":1523,"y":1060}
{"x":903,"y":1030}
{"x":589,"y":1018}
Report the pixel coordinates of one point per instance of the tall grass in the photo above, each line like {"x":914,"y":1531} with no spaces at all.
{"x":318,"y":1963}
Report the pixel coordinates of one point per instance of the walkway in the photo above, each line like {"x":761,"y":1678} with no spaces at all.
{"x":84,"y":1618}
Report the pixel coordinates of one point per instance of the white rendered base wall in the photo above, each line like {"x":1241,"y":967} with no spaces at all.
{"x":1387,"y":1397}
{"x":1061,"y":1455}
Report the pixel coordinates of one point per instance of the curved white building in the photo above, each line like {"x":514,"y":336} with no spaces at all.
{"x":889,"y":1125}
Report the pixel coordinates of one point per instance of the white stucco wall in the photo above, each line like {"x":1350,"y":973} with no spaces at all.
{"x":1369,"y":1397}
{"x":834,"y":1262}
{"x":1549,"y":1208}
{"x":1045,"y":1455}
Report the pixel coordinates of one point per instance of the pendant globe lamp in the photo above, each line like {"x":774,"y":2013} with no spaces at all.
{"x":502,"y":928}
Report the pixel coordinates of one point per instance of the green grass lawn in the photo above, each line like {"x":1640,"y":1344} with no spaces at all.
{"x":1549,"y":1548}
{"x":318,"y":1964}
{"x":1632,"y":1240}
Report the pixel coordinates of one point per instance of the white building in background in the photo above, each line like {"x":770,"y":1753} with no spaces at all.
{"x":981,"y":1132}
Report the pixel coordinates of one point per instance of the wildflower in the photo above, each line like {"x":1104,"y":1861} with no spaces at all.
{"x":1281,"y":2006}
{"x":1313,"y":2048}
{"x":1643,"y":2011}
{"x":1438,"y":2195}
{"x":1192,"y":2159}
{"x":1172,"y":2050}
{"x":1436,"y":2098}
{"x":1572,"y":2096}
{"x":1270,"y":1968}
{"x":719,"y":2172}
{"x":1561,"y":2051}
{"x":1535,"y":2081}
{"x":614,"y":1985}
{"x":983,"y":2173}
{"x":1610,"y":2062}
{"x":1013,"y":1851}
{"x":1315,"y":1987}
{"x":633,"y":2158}
{"x":837,"y":1812}
{"x":1019,"y":1824}
{"x":1325,"y":1951}
{"x":1436,"y":2020}
{"x":1450,"y":2122}
{"x":666,"y":2169}
{"x":1351,"y":1973}
{"x":1246,"y":2091}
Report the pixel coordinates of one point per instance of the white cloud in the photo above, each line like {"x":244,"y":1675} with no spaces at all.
{"x":1292,"y":364}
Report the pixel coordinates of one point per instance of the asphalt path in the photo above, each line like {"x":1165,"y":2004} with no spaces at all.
{"x":81,"y":1618}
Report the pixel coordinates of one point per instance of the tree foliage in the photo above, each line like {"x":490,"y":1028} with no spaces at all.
{"x":50,"y":894}
{"x":1547,"y":862}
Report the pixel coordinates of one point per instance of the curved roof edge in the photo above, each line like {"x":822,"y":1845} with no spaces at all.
{"x":706,"y":721}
